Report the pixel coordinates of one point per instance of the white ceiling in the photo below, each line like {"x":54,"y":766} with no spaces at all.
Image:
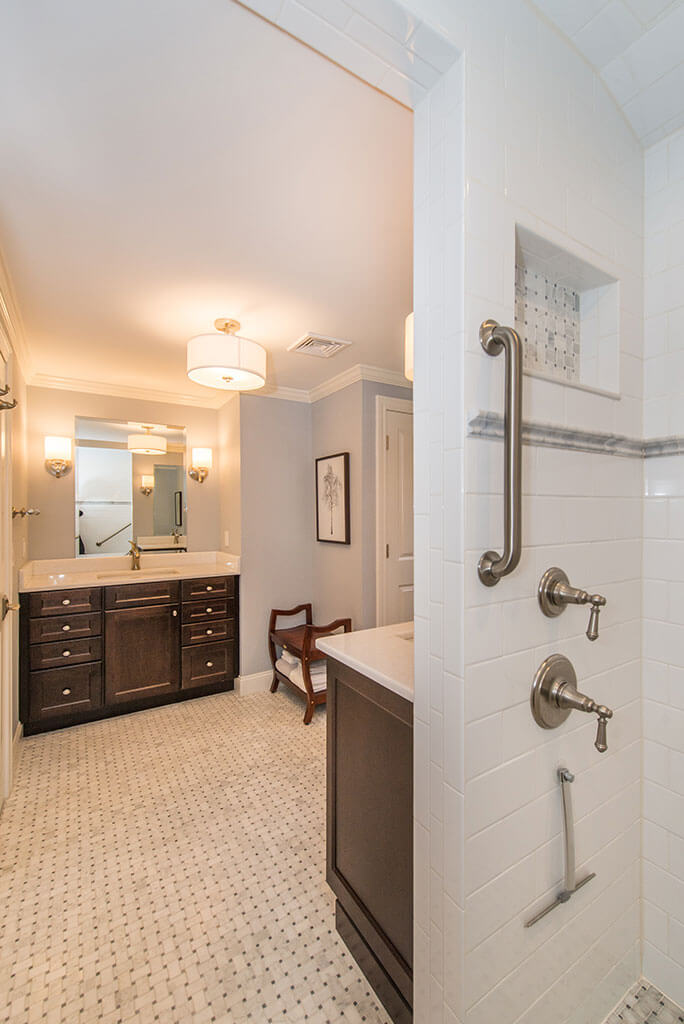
{"x":166,"y":162}
{"x":637,"y":46}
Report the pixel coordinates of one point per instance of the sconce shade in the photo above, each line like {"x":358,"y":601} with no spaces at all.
{"x":226,"y":362}
{"x":58,"y":449}
{"x":202,"y":458}
{"x":147,"y":481}
{"x":408,"y":346}
{"x":147,"y":444}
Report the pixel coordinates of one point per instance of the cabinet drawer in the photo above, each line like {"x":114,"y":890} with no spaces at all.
{"x":64,"y":627}
{"x":219,"y":586}
{"x":207,"y":663}
{"x":64,"y":691}
{"x":208,"y":609}
{"x":66,"y":652}
{"x":206,"y":632}
{"x":60,"y":602}
{"x":142,"y":595}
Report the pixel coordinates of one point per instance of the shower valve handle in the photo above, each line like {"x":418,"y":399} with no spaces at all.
{"x":555,"y":593}
{"x":568,"y":697}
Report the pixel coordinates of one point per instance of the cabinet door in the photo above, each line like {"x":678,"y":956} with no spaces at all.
{"x":142,"y":648}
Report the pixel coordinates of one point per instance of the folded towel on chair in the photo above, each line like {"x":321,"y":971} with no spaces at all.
{"x":319,"y":676}
{"x":287,"y":656}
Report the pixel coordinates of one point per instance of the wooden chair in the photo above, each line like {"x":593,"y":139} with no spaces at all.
{"x":300,"y":641}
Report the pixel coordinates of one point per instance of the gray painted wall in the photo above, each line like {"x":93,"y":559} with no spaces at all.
{"x":230,"y":480}
{"x":277,"y":518}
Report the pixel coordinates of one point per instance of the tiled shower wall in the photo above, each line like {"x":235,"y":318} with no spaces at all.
{"x":438,"y":425}
{"x":575,"y":179}
{"x":663,"y":637}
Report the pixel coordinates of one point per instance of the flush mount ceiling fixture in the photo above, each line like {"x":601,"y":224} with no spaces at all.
{"x":147,"y":443}
{"x":226,"y":362}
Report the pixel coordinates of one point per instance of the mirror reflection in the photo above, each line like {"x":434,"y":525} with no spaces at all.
{"x":129,"y":485}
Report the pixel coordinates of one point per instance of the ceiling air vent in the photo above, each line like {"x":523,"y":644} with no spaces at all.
{"x":318,"y":345}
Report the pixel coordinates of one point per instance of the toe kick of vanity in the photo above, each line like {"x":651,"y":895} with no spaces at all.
{"x":93,"y":652}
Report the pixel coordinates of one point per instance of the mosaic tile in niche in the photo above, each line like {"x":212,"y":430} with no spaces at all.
{"x":547,"y":317}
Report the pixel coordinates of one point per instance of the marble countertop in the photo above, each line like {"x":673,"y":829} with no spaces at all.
{"x":105,"y":570}
{"x":384,"y":654}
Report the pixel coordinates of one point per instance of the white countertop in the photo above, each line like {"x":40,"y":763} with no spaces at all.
{"x":105,"y":570}
{"x":384,"y":654}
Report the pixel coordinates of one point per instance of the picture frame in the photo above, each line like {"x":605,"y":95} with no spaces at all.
{"x":332,"y":499}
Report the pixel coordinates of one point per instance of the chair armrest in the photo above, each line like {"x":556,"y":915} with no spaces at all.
{"x":277,"y":612}
{"x":311,"y":633}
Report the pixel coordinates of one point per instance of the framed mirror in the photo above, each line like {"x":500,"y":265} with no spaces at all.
{"x":129,"y":485}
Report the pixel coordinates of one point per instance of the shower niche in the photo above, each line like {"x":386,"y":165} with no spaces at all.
{"x":567,"y":315}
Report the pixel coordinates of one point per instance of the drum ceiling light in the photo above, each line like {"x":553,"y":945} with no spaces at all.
{"x":227,"y":362}
{"x":147,"y":444}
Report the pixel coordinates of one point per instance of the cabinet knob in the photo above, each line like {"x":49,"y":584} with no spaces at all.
{"x":210,"y":588}
{"x":210,"y":664}
{"x":66,"y":654}
{"x":66,"y":601}
{"x":174,"y":613}
{"x":66,"y":627}
{"x":66,"y":691}
{"x":209,"y":611}
{"x":210,"y":632}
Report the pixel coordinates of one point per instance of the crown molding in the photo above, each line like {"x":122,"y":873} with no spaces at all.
{"x":353,"y":375}
{"x":92,"y":387}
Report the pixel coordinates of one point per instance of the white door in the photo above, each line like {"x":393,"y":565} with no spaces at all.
{"x":395,"y":511}
{"x":6,"y":577}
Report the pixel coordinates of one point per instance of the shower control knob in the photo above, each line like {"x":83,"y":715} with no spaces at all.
{"x":555,"y":694}
{"x":555,"y":592}
{"x":601,"y":742}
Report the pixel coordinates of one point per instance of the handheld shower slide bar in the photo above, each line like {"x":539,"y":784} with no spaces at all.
{"x":494,"y":338}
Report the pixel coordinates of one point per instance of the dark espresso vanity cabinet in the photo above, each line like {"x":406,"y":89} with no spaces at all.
{"x":370,"y":830}
{"x":100,"y":651}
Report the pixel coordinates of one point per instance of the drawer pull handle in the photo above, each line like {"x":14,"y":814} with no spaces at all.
{"x":66,"y":691}
{"x":66,"y":601}
{"x":209,"y":611}
{"x":210,"y":664}
{"x":66,"y":654}
{"x":210,"y":632}
{"x":66,"y":628}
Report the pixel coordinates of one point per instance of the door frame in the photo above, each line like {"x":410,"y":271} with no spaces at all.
{"x":383,"y":405}
{"x":6,"y":587}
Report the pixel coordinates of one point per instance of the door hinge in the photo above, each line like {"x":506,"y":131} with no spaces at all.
{"x":386,"y":550}
{"x":386,"y":442}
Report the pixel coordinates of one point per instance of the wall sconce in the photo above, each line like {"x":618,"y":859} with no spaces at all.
{"x":200,"y":464}
{"x":408,"y":347}
{"x":58,"y":455}
{"x":146,"y":484}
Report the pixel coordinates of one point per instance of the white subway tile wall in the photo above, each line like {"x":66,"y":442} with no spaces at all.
{"x":663,"y":624}
{"x":438,"y":424}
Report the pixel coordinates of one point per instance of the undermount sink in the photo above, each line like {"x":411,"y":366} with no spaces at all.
{"x":135,"y":573}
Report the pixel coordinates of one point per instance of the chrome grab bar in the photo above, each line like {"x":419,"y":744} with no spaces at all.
{"x":494,"y":338}
{"x":99,"y":543}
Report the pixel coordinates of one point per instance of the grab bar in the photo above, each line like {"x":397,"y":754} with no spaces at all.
{"x":99,"y":543}
{"x":494,"y":339}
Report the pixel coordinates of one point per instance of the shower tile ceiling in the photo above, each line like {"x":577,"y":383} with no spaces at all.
{"x":637,"y":46}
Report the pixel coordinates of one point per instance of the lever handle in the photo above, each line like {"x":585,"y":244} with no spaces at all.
{"x":601,"y":742}
{"x":593,"y":627}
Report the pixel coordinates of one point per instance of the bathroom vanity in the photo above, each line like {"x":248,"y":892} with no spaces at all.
{"x":370,"y":805}
{"x":101,"y":641}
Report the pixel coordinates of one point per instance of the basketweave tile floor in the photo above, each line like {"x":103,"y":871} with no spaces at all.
{"x":645,"y":1004}
{"x":169,"y":866}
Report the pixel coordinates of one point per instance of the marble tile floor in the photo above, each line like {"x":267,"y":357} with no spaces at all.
{"x":169,"y":866}
{"x":645,"y":1004}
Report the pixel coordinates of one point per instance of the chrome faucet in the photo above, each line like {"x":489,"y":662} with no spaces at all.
{"x":135,"y":555}
{"x":555,"y":593}
{"x":555,"y":695}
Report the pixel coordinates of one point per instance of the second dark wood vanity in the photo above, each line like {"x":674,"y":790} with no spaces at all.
{"x":93,"y":652}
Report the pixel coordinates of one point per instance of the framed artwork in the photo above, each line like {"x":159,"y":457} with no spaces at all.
{"x":332,"y":499}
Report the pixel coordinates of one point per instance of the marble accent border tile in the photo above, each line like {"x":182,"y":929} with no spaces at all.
{"x":548,"y":435}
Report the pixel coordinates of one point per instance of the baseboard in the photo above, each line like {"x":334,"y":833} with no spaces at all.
{"x":257,"y":682}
